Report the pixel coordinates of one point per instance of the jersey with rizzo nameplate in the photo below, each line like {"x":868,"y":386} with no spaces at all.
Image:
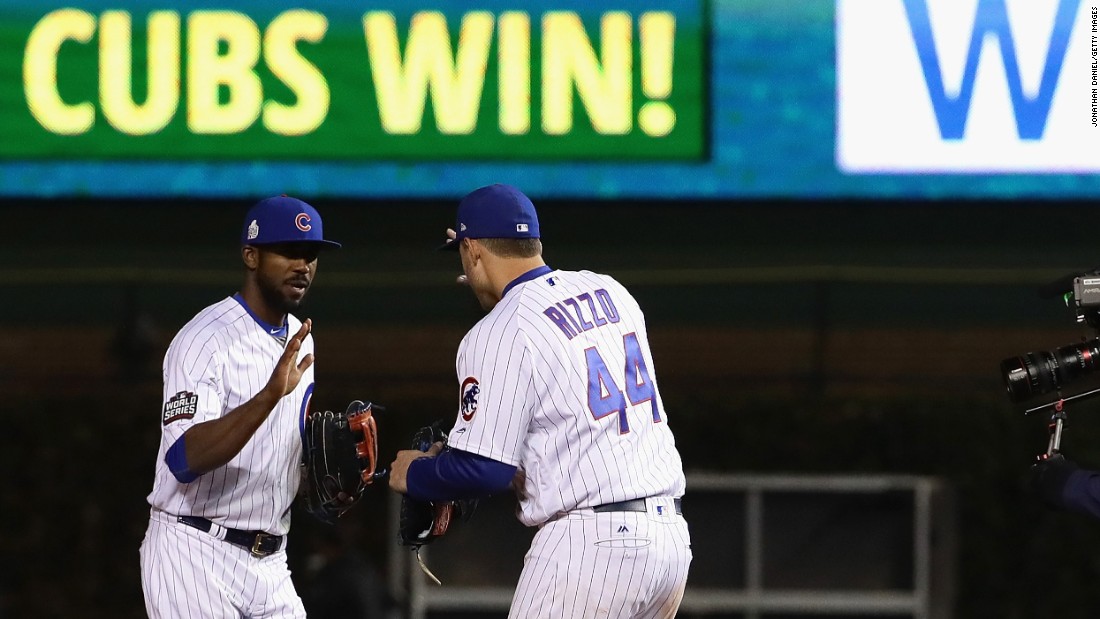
{"x":558,"y":380}
{"x":217,"y":362}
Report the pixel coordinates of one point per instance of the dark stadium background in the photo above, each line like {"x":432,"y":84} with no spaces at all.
{"x":804,"y":320}
{"x":810,"y":337}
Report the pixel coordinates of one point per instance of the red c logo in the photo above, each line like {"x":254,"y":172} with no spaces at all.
{"x":468,"y":398}
{"x":302,"y":221}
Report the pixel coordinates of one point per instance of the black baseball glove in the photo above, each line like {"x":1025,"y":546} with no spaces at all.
{"x":339,"y":459}
{"x":424,"y":521}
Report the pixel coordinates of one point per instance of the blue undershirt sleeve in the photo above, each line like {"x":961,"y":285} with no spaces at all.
{"x":1082,"y":492}
{"x":176,"y":459}
{"x":456,"y":474}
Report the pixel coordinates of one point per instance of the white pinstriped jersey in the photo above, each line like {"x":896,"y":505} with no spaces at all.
{"x":218,"y":361}
{"x":558,"y":380}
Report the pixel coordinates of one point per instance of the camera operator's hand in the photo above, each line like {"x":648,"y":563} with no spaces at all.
{"x":1048,"y":479}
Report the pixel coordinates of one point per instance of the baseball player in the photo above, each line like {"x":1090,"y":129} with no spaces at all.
{"x":237,"y":384}
{"x":558,"y":399}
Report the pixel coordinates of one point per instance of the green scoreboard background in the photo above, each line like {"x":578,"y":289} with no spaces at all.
{"x":342,"y":83}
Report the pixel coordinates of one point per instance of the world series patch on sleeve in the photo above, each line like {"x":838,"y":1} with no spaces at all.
{"x":180,"y":406}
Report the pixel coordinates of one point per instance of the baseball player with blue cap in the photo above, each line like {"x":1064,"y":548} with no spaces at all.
{"x":558,"y":400}
{"x":285,"y":220}
{"x":495,"y":211}
{"x":237,"y":385}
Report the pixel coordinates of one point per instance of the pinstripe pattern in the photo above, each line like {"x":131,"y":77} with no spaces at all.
{"x":225,"y":357}
{"x":615,"y":564}
{"x":190,"y":574}
{"x":531,"y":357}
{"x":533,"y":410}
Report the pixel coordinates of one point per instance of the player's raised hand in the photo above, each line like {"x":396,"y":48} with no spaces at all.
{"x":287,"y":373}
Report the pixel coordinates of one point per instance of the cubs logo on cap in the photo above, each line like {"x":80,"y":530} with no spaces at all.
{"x":283,"y":219}
{"x":302,"y":221}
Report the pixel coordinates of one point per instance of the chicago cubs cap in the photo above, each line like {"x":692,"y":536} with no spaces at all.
{"x":283,"y":219}
{"x":495,"y":212}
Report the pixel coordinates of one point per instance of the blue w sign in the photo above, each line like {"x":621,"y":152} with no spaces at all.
{"x":992,"y":20}
{"x":966,"y":86}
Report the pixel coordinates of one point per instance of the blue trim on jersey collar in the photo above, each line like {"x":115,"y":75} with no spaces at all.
{"x":526,"y":277}
{"x":271,"y":330}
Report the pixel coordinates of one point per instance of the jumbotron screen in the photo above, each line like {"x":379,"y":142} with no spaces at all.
{"x":689,"y":98}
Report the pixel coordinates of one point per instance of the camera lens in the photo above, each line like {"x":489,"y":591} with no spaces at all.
{"x":1045,"y":371}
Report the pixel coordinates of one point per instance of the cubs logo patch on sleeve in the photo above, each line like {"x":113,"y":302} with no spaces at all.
{"x":180,"y":406}
{"x":468,"y":405}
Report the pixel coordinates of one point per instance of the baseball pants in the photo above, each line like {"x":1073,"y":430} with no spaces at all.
{"x":612,"y":564}
{"x":186,"y":572}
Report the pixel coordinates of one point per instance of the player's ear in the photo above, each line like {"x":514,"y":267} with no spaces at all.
{"x":473,"y":250}
{"x":251,"y":257}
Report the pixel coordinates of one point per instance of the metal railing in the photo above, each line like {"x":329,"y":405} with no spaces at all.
{"x":928,"y":594}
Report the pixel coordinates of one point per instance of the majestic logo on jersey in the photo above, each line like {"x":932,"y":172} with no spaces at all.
{"x":253,"y":230}
{"x":302,"y":221}
{"x":180,"y":406}
{"x":468,"y":405}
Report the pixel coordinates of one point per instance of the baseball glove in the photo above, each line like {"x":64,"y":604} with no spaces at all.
{"x":424,"y":521}
{"x":339,"y":459}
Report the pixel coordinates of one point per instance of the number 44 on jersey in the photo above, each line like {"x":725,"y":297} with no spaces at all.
{"x":604,"y":395}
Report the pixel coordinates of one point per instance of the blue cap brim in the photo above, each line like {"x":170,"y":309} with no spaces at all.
{"x":323,"y":244}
